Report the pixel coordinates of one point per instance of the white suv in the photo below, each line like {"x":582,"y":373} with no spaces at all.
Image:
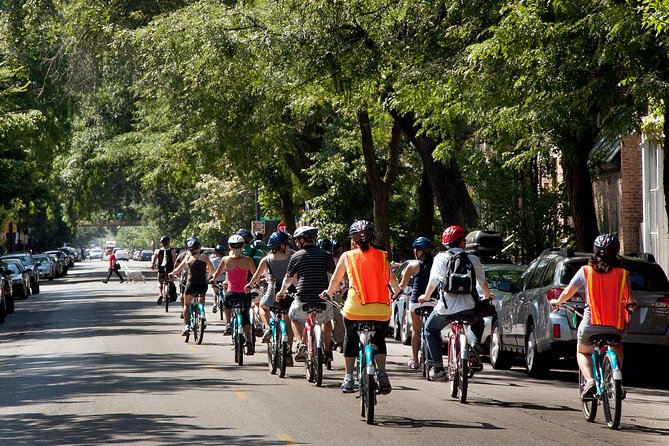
{"x":121,"y":254}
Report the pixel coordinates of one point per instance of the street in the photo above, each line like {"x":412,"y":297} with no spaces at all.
{"x":91,"y":363}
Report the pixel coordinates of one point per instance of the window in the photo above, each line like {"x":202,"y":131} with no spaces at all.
{"x":537,"y":278}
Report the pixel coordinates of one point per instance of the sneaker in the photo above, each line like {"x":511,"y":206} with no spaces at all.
{"x":228,"y":330}
{"x":384,"y":382}
{"x":104,"y":281}
{"x":413,"y":365}
{"x":301,"y":354}
{"x":438,"y":374}
{"x":475,"y":363}
{"x":623,"y":393}
{"x":185,"y":331}
{"x":589,"y":389}
{"x":266,"y":336}
{"x":348,"y":386}
{"x":214,"y":309}
{"x":160,"y":300}
{"x":250,"y":349}
{"x":122,"y":280}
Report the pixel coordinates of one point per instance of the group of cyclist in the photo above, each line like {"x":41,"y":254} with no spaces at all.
{"x":361,"y":279}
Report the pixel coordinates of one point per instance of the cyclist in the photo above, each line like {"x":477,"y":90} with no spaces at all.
{"x":451,"y":304}
{"x":237,"y":268}
{"x":311,"y":265}
{"x":219,"y":252}
{"x":199,"y":270}
{"x":252,"y":247}
{"x":368,"y":298}
{"x":164,"y":259}
{"x":274,"y":265}
{"x":338,"y":327}
{"x":419,"y":271}
{"x":607,"y":294}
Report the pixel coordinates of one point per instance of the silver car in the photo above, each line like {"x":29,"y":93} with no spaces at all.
{"x":527,"y":326}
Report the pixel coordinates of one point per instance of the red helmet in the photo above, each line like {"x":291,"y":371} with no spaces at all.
{"x":452,"y":234}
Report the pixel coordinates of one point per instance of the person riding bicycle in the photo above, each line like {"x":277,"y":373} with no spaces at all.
{"x":607,"y":296}
{"x":219,"y":252}
{"x":311,"y":265}
{"x":164,"y":258}
{"x":419,"y":272}
{"x":237,"y":268}
{"x":199,"y":270}
{"x":252,"y":247}
{"x":274,"y":265}
{"x":368,"y":299}
{"x":338,"y":327}
{"x":451,"y":304}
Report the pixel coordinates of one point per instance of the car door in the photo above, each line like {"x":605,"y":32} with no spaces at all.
{"x":515,"y":303}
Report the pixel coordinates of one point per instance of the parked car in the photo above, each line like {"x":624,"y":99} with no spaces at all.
{"x":145,"y":255}
{"x":69,"y":255}
{"x":62,"y":260}
{"x":30,"y":265}
{"x":121,"y":254}
{"x":47,"y":267}
{"x":527,"y":326}
{"x":3,"y":299}
{"x":7,"y":291}
{"x":20,"y":277}
{"x":95,"y":254}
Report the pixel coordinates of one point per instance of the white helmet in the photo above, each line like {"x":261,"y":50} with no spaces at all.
{"x":308,"y":232}
{"x":236,"y":241}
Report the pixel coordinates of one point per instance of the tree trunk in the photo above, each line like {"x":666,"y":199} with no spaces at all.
{"x":380,"y":183}
{"x":665,"y":151}
{"x":450,"y":191}
{"x":425,"y":208}
{"x":287,"y":206}
{"x":579,"y":191}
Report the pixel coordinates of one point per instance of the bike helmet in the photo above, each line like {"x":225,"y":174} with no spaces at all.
{"x":361,"y":231}
{"x":193,"y":243}
{"x":423,"y":243}
{"x":452,"y":234}
{"x":236,"y":241}
{"x":277,"y":239}
{"x":325,"y":244}
{"x":607,"y":244}
{"x":246,"y":234}
{"x":219,"y":249}
{"x":336,"y":245}
{"x":164,"y":239}
{"x":258,"y":244}
{"x":306,"y":232}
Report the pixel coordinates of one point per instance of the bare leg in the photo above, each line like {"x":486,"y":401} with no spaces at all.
{"x":184,"y":310}
{"x":416,"y":322}
{"x":298,"y":327}
{"x":584,"y":358}
{"x":327,"y":335}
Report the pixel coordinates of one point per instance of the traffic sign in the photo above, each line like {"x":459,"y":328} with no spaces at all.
{"x":258,"y":226}
{"x":281,"y":227}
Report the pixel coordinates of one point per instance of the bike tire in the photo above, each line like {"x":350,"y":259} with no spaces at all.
{"x":318,"y":365}
{"x":221,"y":309}
{"x":589,"y":406}
{"x":370,"y":396}
{"x":422,"y":359}
{"x":283,"y":354}
{"x":199,"y":327}
{"x":453,"y":367}
{"x":239,"y":346}
{"x":612,"y":396}
{"x":463,"y":378}
{"x":272,"y":355}
{"x":166,"y":298}
{"x":362,"y":380}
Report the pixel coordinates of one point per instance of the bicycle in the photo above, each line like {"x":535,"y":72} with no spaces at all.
{"x":607,"y":374}
{"x":165,"y":292}
{"x":312,"y":336}
{"x":365,"y":366}
{"x":458,"y":356}
{"x":423,"y":312}
{"x":219,"y":299}
{"x":197,"y":322}
{"x":237,"y":320}
{"x":277,"y":349}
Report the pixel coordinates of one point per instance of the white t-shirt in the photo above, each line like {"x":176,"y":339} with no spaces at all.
{"x":454,"y":303}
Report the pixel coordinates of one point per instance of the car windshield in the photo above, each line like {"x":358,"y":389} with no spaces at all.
{"x":12,"y":267}
{"x":646,"y":276}
{"x":494,"y":276}
{"x":25,"y":259}
{"x":41,"y":258}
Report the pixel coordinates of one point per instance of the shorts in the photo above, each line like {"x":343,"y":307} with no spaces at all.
{"x":414,"y":305}
{"x":586,"y":331}
{"x":297,"y":314}
{"x":194,"y":288}
{"x":232,"y":298}
{"x":268,"y":300}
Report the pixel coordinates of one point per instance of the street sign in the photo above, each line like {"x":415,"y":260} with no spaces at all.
{"x":281,"y":227}
{"x":258,"y":226}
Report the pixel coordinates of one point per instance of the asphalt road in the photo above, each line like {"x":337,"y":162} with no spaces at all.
{"x":86,"y":363}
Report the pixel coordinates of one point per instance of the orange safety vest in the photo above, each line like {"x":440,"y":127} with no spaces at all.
{"x":368,"y":273}
{"x":608,"y":294}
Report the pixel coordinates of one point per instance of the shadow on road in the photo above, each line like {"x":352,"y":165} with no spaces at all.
{"x":405,"y":422}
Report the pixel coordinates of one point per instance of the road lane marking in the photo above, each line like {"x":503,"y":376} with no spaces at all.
{"x":287,"y":439}
{"x":241,"y":395}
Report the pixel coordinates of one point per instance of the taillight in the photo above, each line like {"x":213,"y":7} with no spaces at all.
{"x":553,"y":293}
{"x":662,"y":302}
{"x":556,"y":331}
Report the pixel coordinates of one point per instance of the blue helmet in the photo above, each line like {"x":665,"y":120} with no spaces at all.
{"x":277,"y":239}
{"x":423,"y":243}
{"x":608,"y":243}
{"x":219,"y":249}
{"x":246,"y":234}
{"x":193,"y":243}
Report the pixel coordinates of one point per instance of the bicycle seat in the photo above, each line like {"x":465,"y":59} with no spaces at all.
{"x":424,"y":311}
{"x":314,"y":307}
{"x":236,"y":302}
{"x":606,"y":339}
{"x":368,"y":325}
{"x":465,"y":317}
{"x":278,"y":310}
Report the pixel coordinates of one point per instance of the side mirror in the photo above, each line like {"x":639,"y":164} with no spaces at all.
{"x":506,"y":286}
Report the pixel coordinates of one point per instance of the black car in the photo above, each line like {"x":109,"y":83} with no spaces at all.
{"x":30,"y":265}
{"x":63,"y":260}
{"x":20,"y":278}
{"x":145,"y":255}
{"x":6,"y":299}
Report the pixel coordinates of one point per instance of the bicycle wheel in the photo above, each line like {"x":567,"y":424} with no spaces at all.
{"x":166,"y":297}
{"x":272,"y":354}
{"x":422,"y":358}
{"x":283,"y":354}
{"x":370,"y":395}
{"x":239,"y":345}
{"x":199,"y":328}
{"x":318,"y":366}
{"x":589,"y":406}
{"x":612,"y":396}
{"x":463,"y":376}
{"x":452,"y":369}
{"x":220,"y":306}
{"x":309,"y":366}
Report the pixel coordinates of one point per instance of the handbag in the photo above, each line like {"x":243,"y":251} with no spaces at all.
{"x":484,"y":308}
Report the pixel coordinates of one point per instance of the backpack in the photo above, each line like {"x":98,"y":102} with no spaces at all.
{"x":460,"y":277}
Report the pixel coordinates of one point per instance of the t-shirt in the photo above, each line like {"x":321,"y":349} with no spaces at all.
{"x":112,"y":260}
{"x":451,"y":303}
{"x":312,"y":266}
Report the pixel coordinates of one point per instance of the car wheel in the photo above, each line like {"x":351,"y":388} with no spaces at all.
{"x":536,"y":364}
{"x":406,"y":330}
{"x":35,"y":288}
{"x":9,"y":304}
{"x":397,"y":329}
{"x":499,"y":359}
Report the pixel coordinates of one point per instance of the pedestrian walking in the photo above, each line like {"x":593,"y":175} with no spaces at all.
{"x":114,"y":267}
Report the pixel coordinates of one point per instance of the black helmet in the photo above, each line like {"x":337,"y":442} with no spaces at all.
{"x":325,"y":244}
{"x":423,"y":243}
{"x":307,"y":232}
{"x":164,"y":239}
{"x":607,"y":244}
{"x":219,"y":249}
{"x":246,"y":234}
{"x":335,"y":245}
{"x":361,"y":231}
{"x":193,"y":243}
{"x":277,"y":239}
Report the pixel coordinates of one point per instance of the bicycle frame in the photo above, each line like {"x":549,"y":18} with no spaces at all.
{"x":597,"y":359}
{"x":366,"y":351}
{"x":458,"y":360}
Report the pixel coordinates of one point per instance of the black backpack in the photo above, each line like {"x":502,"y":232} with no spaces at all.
{"x":460,"y":277}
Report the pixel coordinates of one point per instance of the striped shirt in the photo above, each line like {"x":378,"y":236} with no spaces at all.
{"x":312,"y":266}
